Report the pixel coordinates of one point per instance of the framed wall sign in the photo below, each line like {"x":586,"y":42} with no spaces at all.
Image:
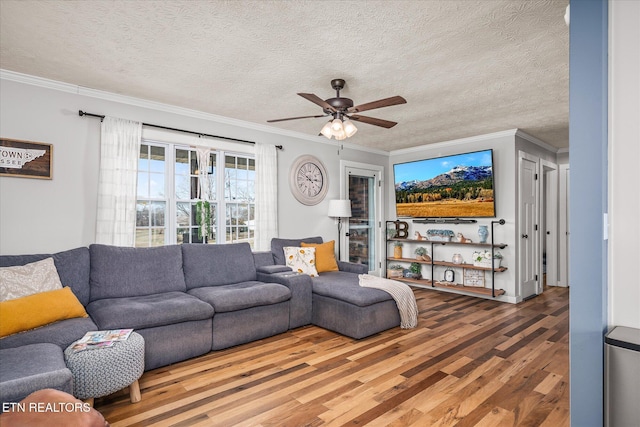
{"x":25,"y":159}
{"x":473,"y":278}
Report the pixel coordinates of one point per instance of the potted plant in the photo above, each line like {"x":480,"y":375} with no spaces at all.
{"x":397,"y":250}
{"x":394,"y":271}
{"x":422,"y":254}
{"x":415,"y":271}
{"x":483,"y":259}
{"x":203,"y":219}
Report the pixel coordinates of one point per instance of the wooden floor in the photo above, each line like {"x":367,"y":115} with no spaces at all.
{"x":470,"y":362}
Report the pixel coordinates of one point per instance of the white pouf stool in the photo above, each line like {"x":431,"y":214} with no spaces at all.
{"x":102,"y":371}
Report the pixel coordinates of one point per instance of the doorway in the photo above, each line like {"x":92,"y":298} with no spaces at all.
{"x":529,"y":259}
{"x":362,"y":184}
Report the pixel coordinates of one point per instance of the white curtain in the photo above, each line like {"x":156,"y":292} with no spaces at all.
{"x":266,"y":196}
{"x":117,"y":183}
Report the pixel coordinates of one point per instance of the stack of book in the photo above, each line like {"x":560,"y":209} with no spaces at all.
{"x":101,"y":339}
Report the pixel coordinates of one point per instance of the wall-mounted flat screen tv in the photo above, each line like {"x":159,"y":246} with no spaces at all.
{"x":457,"y":186}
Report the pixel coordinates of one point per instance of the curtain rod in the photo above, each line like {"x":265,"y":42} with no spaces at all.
{"x":101,"y":117}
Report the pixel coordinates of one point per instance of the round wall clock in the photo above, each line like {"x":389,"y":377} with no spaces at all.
{"x":308,"y":180}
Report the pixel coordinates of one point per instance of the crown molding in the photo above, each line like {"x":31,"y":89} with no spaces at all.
{"x":467,"y":140}
{"x":536,"y":141}
{"x":167,"y":108}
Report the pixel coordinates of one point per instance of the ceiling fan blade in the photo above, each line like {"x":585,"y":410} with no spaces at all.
{"x":317,"y":100}
{"x":296,"y":118}
{"x":373,"y":121}
{"x":394,"y":100}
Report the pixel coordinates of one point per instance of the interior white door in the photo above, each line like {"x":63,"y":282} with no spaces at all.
{"x":528,"y":226}
{"x":363,"y":230}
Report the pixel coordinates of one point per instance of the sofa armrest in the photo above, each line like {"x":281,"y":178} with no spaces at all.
{"x":300,"y":287}
{"x":352,"y":267}
{"x":271,"y":269}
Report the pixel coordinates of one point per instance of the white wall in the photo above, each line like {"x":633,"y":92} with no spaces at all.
{"x":41,"y":216}
{"x":505,"y":161}
{"x":624,"y":158}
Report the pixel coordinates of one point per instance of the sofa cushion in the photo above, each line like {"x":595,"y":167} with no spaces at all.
{"x":240,"y":296}
{"x":148,"y":311}
{"x":33,"y":311}
{"x":72,"y":267}
{"x":213,"y":265}
{"x":345,"y":286}
{"x":301,"y":260}
{"x":118,"y":272}
{"x":277,"y":246}
{"x":32,"y":367}
{"x":325,"y":255}
{"x":61,"y":333}
{"x":23,"y":280}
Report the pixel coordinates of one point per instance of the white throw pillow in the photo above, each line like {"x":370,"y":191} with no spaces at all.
{"x":301,"y":260}
{"x":24,"y":280}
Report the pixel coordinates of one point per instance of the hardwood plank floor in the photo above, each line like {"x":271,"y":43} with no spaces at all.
{"x":470,"y":362}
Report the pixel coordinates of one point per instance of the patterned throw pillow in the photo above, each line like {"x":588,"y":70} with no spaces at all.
{"x":24,"y":280}
{"x":301,"y":260}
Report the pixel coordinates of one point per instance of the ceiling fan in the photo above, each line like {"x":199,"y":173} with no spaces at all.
{"x":342,"y":110}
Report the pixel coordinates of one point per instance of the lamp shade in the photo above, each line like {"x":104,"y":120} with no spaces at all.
{"x":340,"y":208}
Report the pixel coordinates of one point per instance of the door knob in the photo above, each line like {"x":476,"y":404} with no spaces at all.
{"x":525,"y":236}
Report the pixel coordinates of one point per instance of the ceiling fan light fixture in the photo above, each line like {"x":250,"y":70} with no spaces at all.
{"x":336,"y":126}
{"x":326,"y":130}
{"x":340,"y":136}
{"x":349,"y":128}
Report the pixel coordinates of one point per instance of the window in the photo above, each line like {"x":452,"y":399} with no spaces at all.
{"x":151,"y":206}
{"x":168,"y":188}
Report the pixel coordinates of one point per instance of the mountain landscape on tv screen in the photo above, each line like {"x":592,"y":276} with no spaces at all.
{"x":463,"y":191}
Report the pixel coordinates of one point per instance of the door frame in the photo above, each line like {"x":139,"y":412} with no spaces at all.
{"x":549,"y":220}
{"x":536,"y":251}
{"x":345,"y":165}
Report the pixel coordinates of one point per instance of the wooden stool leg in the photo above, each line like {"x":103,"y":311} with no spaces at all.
{"x":134,"y":392}
{"x":89,"y":401}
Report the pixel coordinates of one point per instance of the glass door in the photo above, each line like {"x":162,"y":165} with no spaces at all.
{"x":361,"y":231}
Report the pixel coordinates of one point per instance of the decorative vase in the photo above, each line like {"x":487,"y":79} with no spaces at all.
{"x":397,"y":252}
{"x":483,"y":233}
{"x":457,"y":259}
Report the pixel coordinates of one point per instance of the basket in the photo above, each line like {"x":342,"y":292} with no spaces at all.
{"x":486,"y":263}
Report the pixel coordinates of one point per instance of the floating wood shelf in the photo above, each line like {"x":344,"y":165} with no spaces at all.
{"x":448,"y":264}
{"x":425,"y":283}
{"x":486,"y":245}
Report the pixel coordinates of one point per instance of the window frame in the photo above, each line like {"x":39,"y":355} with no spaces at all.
{"x":221,"y":150}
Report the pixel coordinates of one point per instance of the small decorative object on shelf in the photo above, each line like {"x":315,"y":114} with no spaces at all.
{"x":402,"y":229}
{"x":473,"y":278}
{"x":397,"y":250}
{"x":422,"y":254}
{"x":415,"y":271}
{"x":419,"y":236}
{"x":462,"y":239}
{"x":483,"y":259}
{"x":440,"y":235}
{"x":457,"y":259}
{"x":449,"y":275}
{"x":394,"y":271}
{"x":483,"y":233}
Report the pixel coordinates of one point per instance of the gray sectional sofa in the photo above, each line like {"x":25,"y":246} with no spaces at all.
{"x":187,"y":300}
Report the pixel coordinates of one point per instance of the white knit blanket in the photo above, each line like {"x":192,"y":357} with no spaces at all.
{"x":400,"y":292}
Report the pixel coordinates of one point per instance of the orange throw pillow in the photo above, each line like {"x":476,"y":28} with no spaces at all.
{"x":325,"y":255}
{"x":33,"y":311}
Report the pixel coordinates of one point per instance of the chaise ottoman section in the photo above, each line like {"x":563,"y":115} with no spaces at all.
{"x":340,"y":304}
{"x":30,"y":368}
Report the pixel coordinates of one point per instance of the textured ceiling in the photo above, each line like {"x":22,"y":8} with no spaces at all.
{"x":465,"y":67}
